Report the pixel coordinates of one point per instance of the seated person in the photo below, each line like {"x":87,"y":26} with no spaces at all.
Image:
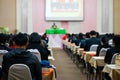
{"x":70,"y":37}
{"x":44,"y":37}
{"x":21,"y":55}
{"x":3,"y":39}
{"x":104,"y":44}
{"x":92,"y":40}
{"x":116,"y":49}
{"x":11,"y":45}
{"x":65,"y":36}
{"x":35,"y":43}
{"x":44,"y":40}
{"x":83,"y":41}
{"x":78,"y":38}
{"x":75,"y":39}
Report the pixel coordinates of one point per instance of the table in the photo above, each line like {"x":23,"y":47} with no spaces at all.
{"x":88,"y":55}
{"x":79,"y":51}
{"x":115,"y":74}
{"x":112,"y":69}
{"x":55,"y":31}
{"x":97,"y":61}
{"x":109,"y":67}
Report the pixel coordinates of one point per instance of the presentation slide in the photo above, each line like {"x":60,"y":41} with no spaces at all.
{"x":68,"y":10}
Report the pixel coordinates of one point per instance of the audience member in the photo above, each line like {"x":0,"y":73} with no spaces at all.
{"x":65,"y":36}
{"x":104,"y":44}
{"x":44,"y":37}
{"x":3,"y":39}
{"x":76,"y":39}
{"x":35,"y":43}
{"x":79,"y":37}
{"x":44,"y":42}
{"x":115,"y":49}
{"x":82,"y":42}
{"x":92,"y":40}
{"x":20,"y":55}
{"x":11,"y":43}
{"x":70,"y":37}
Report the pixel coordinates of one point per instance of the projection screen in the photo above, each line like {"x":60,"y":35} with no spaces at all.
{"x":64,"y":10}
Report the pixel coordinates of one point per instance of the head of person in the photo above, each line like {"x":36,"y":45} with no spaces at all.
{"x":80,"y":35}
{"x":87,"y":35}
{"x":93,"y":33}
{"x":35,"y":38}
{"x":20,"y":40}
{"x":44,"y":36}
{"x":116,"y":40}
{"x":104,"y":40}
{"x":3,"y":38}
{"x":97,"y":34}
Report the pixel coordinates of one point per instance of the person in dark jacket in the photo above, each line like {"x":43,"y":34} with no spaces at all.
{"x":116,"y":49}
{"x":92,"y":40}
{"x":21,"y":55}
{"x":35,"y":43}
{"x":104,"y":44}
{"x":44,"y":37}
{"x":83,"y":41}
{"x":3,"y":39}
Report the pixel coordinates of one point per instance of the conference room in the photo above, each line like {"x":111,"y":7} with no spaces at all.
{"x":65,"y":28}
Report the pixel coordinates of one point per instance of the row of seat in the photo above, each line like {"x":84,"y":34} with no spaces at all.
{"x":22,"y":71}
{"x":83,"y":58}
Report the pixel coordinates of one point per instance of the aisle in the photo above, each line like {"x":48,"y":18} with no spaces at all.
{"x":66,"y":69}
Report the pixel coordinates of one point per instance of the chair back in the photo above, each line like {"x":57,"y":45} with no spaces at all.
{"x":2,"y":52}
{"x":117,"y":59}
{"x":103,"y":51}
{"x":19,"y":72}
{"x":113,"y":58}
{"x":93,"y":47}
{"x":36,"y":53}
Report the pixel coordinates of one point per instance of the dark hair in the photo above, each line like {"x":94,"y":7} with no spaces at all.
{"x":98,"y":35}
{"x":80,"y":35}
{"x":44,"y":36}
{"x":35,"y":38}
{"x":3,"y":38}
{"x":87,"y":35}
{"x":104,"y":39}
{"x":92,"y":32}
{"x":20,"y":39}
{"x":116,"y":40}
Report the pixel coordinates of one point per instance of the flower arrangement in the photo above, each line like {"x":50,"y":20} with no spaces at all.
{"x":54,"y":26}
{"x":4,"y":30}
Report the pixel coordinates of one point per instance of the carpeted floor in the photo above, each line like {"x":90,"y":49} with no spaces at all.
{"x":66,"y":69}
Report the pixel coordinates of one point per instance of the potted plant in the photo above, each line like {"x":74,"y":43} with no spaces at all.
{"x":4,"y":30}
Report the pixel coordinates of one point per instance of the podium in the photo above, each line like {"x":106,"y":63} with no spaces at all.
{"x":55,"y":37}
